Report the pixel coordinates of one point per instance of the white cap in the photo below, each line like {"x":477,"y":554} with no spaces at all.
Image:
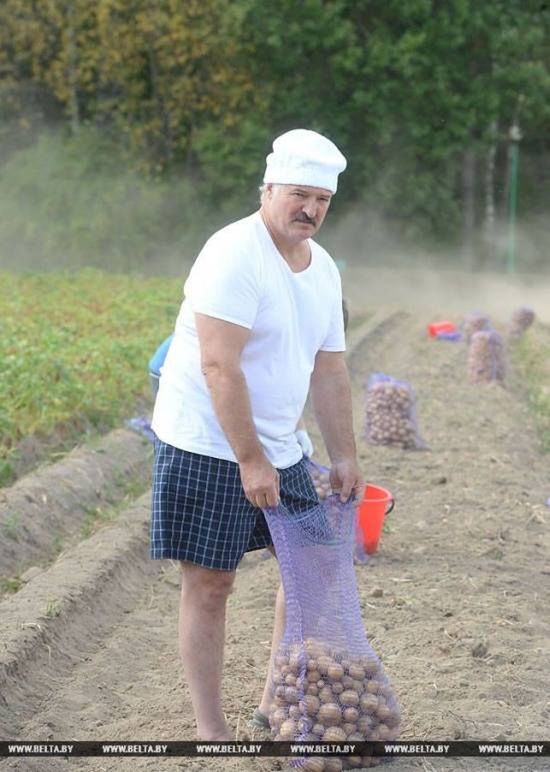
{"x":303,"y":157}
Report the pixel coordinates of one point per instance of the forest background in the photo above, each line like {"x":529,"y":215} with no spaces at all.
{"x":129,"y":129}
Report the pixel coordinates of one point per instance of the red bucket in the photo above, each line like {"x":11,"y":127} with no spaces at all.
{"x":376,"y":504}
{"x":436,"y":327}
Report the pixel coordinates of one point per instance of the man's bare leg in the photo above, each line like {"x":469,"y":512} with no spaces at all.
{"x":204,"y":593}
{"x":278,"y":631}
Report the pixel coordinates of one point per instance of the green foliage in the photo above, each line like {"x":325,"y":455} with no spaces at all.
{"x":74,"y":350}
{"x":198,"y":88}
{"x":11,"y":526}
{"x":10,"y":584}
{"x":532,"y":357}
{"x":53,"y":607}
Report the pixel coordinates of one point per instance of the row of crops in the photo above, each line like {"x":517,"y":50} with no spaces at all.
{"x":74,"y":349}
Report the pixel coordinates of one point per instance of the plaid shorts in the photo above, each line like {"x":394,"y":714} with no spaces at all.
{"x":200,"y":513}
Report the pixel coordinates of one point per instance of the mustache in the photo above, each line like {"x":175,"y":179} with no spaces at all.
{"x":303,"y":217}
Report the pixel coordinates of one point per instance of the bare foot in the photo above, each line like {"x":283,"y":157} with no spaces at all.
{"x":216,"y":735}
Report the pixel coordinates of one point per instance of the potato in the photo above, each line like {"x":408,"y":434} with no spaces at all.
{"x":349,"y":698}
{"x":313,"y":764}
{"x":288,"y":729}
{"x":277,"y":716}
{"x":365,"y":724}
{"x":330,"y":714}
{"x":383,"y":711}
{"x":291,"y":694}
{"x":384,"y":731}
{"x":356,"y":671}
{"x":333,"y":765}
{"x":297,"y":661}
{"x":372,"y":686}
{"x":368,"y":761}
{"x":334,"y":734}
{"x":320,"y":481}
{"x":335,"y":671}
{"x":310,"y":705}
{"x":323,"y":663}
{"x":369,"y":703}
{"x":351,"y":715}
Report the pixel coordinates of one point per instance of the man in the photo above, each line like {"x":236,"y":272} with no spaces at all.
{"x":260,"y":325}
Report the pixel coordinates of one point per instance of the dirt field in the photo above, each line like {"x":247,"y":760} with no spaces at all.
{"x":456,"y":601}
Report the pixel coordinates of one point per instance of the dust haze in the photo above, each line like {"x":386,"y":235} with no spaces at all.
{"x":378,"y":268}
{"x":378,"y":271}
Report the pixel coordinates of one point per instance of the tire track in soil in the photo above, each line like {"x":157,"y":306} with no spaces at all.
{"x":462,"y":622}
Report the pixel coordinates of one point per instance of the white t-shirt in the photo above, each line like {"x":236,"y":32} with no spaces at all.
{"x":241,"y":277}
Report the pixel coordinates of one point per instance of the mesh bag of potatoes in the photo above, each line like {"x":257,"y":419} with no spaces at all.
{"x":328,"y":684}
{"x":321,"y":480}
{"x":486,"y":360}
{"x":475,"y":322}
{"x":391,"y":413}
{"x":520,"y":320}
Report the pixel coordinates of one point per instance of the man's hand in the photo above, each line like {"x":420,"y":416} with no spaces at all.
{"x":346,"y":479}
{"x":260,"y":482}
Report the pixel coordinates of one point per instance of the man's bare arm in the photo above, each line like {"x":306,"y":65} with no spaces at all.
{"x":221,"y":344}
{"x":332,"y":404}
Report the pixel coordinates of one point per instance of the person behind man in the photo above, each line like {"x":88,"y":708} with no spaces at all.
{"x":260,"y":325}
{"x":156,"y":363}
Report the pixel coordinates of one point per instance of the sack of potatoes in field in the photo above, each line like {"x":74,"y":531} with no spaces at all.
{"x":391,"y":413}
{"x":486,"y":357}
{"x":328,"y":684}
{"x":475,"y":322}
{"x":520,"y":320}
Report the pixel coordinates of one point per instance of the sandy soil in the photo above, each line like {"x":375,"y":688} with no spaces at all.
{"x":46,"y":511}
{"x":455,"y":602}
